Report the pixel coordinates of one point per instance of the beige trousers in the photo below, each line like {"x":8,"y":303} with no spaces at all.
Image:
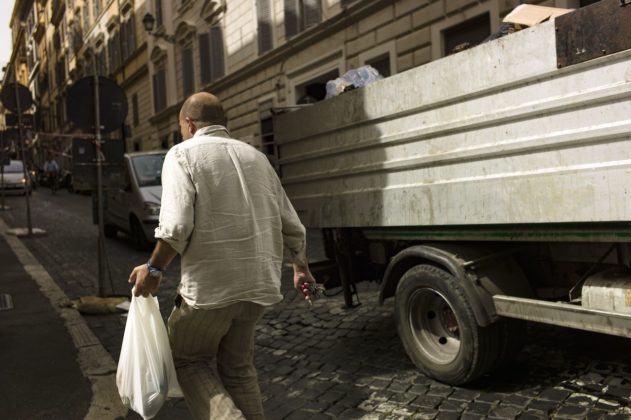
{"x":200,"y":336}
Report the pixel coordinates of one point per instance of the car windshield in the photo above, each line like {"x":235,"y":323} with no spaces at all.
{"x":148,"y":169}
{"x":15,"y":167}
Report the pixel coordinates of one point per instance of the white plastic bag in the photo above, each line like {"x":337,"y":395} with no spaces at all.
{"x":146,"y":374}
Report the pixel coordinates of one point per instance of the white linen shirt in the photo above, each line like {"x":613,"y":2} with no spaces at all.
{"x":225,"y":212}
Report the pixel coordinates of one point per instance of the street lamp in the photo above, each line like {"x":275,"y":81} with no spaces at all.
{"x":148,"y":21}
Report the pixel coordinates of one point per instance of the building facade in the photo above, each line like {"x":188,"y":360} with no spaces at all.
{"x":58,"y":42}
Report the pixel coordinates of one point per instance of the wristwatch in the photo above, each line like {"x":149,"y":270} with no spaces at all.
{"x":153,"y":270}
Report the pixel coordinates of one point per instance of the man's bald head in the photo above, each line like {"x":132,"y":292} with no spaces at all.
{"x":202,"y":109}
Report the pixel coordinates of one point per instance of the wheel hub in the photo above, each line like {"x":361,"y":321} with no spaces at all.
{"x":434,"y":325}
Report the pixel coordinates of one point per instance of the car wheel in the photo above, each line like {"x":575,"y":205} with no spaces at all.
{"x":438,"y":330}
{"x":138,"y":235}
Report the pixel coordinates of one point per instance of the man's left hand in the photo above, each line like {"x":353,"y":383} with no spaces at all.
{"x":145,"y":284}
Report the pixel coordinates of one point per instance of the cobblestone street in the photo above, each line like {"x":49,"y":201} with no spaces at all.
{"x":331,"y":362}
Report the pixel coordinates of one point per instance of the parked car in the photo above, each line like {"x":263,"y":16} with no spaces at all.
{"x":134,"y":208}
{"x":13,"y":180}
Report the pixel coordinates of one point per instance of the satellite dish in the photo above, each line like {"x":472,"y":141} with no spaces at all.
{"x":10,"y":96}
{"x":112,"y":104}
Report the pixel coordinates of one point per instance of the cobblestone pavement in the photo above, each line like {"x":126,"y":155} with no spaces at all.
{"x":330,"y":362}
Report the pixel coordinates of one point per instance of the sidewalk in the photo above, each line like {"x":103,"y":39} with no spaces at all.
{"x":52,"y":365}
{"x":41,"y":375}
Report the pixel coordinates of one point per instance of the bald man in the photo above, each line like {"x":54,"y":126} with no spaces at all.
{"x":225,"y":212}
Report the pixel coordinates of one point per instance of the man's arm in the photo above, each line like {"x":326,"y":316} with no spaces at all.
{"x":175,"y":227}
{"x":146,"y":283}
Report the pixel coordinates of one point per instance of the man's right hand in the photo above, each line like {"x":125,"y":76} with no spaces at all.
{"x":302,"y":278}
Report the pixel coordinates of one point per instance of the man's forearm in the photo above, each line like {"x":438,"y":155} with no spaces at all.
{"x":162,"y":255}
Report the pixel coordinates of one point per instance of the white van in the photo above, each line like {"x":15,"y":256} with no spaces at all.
{"x":135,"y":207}
{"x":12,"y":179}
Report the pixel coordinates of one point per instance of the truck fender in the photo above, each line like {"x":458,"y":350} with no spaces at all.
{"x":481,"y":301}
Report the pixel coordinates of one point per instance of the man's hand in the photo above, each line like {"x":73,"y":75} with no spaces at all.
{"x":302,"y":276}
{"x":145,"y":284}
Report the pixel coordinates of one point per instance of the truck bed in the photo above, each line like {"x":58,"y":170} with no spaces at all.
{"x":493,"y":136}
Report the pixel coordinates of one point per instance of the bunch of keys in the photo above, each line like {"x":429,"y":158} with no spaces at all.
{"x":315,"y":290}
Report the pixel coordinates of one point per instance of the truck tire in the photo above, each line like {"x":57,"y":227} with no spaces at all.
{"x":438,"y":329}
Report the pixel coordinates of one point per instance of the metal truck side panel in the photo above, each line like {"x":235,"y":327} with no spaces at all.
{"x":492,"y":135}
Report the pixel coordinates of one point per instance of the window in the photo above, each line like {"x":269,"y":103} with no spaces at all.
{"x":300,"y":15}
{"x":381,"y":64}
{"x":134,"y":109}
{"x":188,"y":73}
{"x":264,"y":18}
{"x":211,"y":54}
{"x":466,"y":34}
{"x":314,"y":90}
{"x":101,"y":62}
{"x":114,"y":51}
{"x":159,"y":89}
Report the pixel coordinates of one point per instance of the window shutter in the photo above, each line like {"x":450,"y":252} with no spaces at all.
{"x":187,"y":70}
{"x":312,"y":12}
{"x":123,"y":41}
{"x":204,"y":57}
{"x":216,"y":50}
{"x":345,"y":3}
{"x":116,"y":54}
{"x":291,"y":18}
{"x":264,"y":15}
{"x":159,"y":90}
{"x":131,"y":35}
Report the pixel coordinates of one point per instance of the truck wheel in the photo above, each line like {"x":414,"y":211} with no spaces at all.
{"x":110,"y":231}
{"x":138,"y":235}
{"x":438,"y":329}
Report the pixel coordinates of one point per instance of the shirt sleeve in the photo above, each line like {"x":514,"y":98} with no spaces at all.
{"x":178,"y":203}
{"x":294,"y":233}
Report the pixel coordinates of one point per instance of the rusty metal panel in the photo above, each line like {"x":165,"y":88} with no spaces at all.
{"x":600,"y":29}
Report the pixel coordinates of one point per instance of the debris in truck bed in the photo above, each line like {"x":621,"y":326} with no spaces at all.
{"x":352,"y":79}
{"x":530,"y":14}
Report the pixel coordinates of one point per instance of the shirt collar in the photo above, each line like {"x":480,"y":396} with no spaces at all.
{"x":213,"y":130}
